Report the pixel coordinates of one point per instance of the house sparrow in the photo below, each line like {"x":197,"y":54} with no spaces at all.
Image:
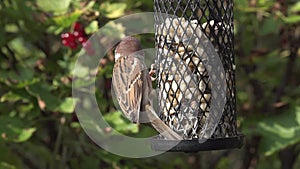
{"x":132,"y":86}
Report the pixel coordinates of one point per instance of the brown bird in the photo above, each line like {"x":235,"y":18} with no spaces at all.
{"x":132,"y":87}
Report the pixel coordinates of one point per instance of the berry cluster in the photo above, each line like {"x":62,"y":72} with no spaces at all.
{"x":77,"y":37}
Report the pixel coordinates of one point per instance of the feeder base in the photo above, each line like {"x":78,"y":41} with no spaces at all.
{"x":195,"y":145}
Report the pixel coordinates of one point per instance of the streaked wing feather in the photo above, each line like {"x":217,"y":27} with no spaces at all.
{"x":127,"y":80}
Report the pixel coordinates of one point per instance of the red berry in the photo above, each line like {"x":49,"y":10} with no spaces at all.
{"x":72,"y":40}
{"x":78,"y":34}
{"x":80,"y":37}
{"x":78,"y":27}
{"x":64,"y":35}
{"x":82,"y":40}
{"x":64,"y":42}
{"x":73,"y":45}
{"x":69,"y":40}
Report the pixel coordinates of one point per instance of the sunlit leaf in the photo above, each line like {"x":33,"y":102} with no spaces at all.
{"x":292,"y":19}
{"x":114,"y":30}
{"x":54,"y":5}
{"x":75,"y":125}
{"x":10,"y":97}
{"x":4,"y":165}
{"x":25,"y":134}
{"x":296,"y":7}
{"x":118,"y":122}
{"x":280,"y":131}
{"x":92,"y":27}
{"x":66,"y":20}
{"x":67,"y":105}
{"x":113,"y":10}
{"x":14,"y":129}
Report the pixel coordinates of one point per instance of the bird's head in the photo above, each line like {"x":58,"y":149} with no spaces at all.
{"x":129,"y":46}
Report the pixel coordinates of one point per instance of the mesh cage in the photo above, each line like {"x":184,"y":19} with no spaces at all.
{"x":184,"y":31}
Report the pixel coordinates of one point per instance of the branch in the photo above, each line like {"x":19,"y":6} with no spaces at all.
{"x":251,"y":155}
{"x":286,"y":76}
{"x":14,"y":60}
{"x":288,"y":157}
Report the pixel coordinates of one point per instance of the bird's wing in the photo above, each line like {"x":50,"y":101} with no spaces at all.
{"x":127,"y":80}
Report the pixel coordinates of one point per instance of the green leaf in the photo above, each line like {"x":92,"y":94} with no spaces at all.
{"x":270,"y":25}
{"x":280,"y":131}
{"x":81,"y":71}
{"x":298,"y":115}
{"x":15,"y":129}
{"x":113,"y":10}
{"x":90,"y":5}
{"x":66,"y":20}
{"x":22,"y":74}
{"x":292,"y":19}
{"x":92,"y":27}
{"x":75,"y":125}
{"x":43,"y":92}
{"x":25,"y":134}
{"x":25,"y":83}
{"x":67,"y":105}
{"x":265,"y":3}
{"x":10,"y":96}
{"x":119,"y":123}
{"x":4,"y":165}
{"x":54,"y":5}
{"x":55,"y":29}
{"x":296,"y":7}
{"x":8,"y":158}
{"x":113,"y":29}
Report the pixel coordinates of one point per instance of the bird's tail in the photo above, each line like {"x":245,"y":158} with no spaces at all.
{"x":160,"y":126}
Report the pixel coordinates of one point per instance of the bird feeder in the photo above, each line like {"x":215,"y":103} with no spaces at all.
{"x":196,"y":74}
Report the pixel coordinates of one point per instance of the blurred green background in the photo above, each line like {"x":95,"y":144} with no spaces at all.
{"x":38,"y":126}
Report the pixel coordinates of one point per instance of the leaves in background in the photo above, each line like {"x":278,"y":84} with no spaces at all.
{"x":120,"y":123}
{"x":279,"y":131}
{"x":38,"y":128}
{"x":15,"y":129}
{"x":67,"y":105}
{"x":112,"y":10}
{"x":54,"y":5}
{"x":92,"y":27}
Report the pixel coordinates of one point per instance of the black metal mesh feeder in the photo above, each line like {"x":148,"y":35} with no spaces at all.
{"x":196,"y":74}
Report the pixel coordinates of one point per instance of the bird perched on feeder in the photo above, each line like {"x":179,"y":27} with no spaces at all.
{"x":132,"y":86}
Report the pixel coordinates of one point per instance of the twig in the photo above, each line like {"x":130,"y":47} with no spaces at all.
{"x":286,"y":76}
{"x":251,"y":154}
{"x":288,"y":157}
{"x":14,"y":60}
{"x":57,"y":146}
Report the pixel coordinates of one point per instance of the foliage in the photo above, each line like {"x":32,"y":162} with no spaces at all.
{"x":38,"y":126}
